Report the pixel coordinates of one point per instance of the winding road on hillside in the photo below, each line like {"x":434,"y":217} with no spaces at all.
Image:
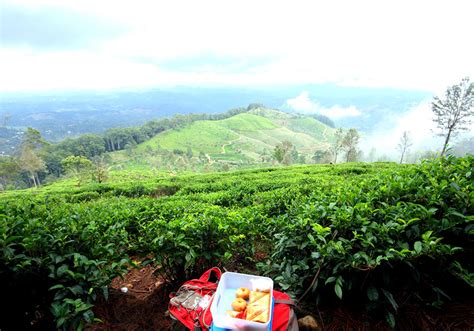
{"x":230,"y":143}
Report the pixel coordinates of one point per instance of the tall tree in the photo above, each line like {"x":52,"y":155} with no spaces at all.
{"x":29,"y":159}
{"x":9,"y":172}
{"x":454,"y":112}
{"x":338,"y":143}
{"x":404,"y":145}
{"x":283,"y":152}
{"x":77,"y":166}
{"x":88,"y":145}
{"x":100,"y":169}
{"x":31,"y":163}
{"x":318,"y":156}
{"x":33,"y":139}
{"x":294,"y":155}
{"x":350,"y":144}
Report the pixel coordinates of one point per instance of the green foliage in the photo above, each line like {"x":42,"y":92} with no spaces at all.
{"x":310,"y":126}
{"x":247,"y":122}
{"x":78,"y":166}
{"x":33,"y":140}
{"x":79,"y":248}
{"x":366,"y":230}
{"x":100,"y":169}
{"x":9,"y":172}
{"x":284,"y":152}
{"x":243,"y":138}
{"x":87,"y":145}
{"x":362,"y":237}
{"x":200,"y":237}
{"x":322,"y":156}
{"x":238,"y":138}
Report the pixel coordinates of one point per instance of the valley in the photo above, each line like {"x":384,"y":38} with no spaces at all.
{"x":69,"y":114}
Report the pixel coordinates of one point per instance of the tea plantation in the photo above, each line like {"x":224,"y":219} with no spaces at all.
{"x":378,"y":234}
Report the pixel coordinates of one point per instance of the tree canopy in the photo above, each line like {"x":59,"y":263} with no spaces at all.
{"x":350,"y":144}
{"x":454,"y":113}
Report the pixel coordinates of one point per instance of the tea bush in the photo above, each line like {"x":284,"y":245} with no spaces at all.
{"x":362,"y":236}
{"x":363,"y":231}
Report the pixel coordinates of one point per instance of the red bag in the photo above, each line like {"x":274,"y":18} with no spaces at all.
{"x":284,"y":317}
{"x":184,"y":305}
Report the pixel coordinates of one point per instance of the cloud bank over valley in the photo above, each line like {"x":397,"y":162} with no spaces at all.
{"x":303,"y":104}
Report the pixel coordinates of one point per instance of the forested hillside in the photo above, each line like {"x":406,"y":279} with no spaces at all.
{"x":254,"y":136}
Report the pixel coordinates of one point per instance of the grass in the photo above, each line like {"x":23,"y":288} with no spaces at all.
{"x":311,"y":127}
{"x":200,"y":136}
{"x":247,"y":122}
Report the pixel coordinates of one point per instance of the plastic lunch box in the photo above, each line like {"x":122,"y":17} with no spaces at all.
{"x":225,"y":294}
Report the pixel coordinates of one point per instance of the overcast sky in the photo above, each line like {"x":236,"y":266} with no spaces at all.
{"x":61,"y":44}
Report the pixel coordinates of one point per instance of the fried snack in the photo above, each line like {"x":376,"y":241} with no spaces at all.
{"x":243,"y":293}
{"x":239,"y":304}
{"x":258,"y":308}
{"x":257,"y":295}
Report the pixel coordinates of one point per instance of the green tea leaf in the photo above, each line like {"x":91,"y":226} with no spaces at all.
{"x":372,"y":293}
{"x":338,"y":290}
{"x":330,"y":280}
{"x":390,"y":298}
{"x":418,"y":247}
{"x":390,"y":319}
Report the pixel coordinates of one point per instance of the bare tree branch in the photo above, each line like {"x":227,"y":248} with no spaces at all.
{"x":454,"y":112}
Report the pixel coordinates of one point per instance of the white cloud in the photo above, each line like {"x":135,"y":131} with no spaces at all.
{"x":421,"y":44}
{"x":418,"y":122}
{"x":303,"y":104}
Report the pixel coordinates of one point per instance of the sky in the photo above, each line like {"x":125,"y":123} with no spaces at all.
{"x":70,"y":44}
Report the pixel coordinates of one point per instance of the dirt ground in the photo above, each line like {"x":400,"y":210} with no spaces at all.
{"x":144,"y":307}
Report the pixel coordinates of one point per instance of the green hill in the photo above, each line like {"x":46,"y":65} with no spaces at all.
{"x":245,"y":138}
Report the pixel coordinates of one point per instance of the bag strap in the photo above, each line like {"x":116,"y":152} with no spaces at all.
{"x":286,"y":302}
{"x":292,"y":322}
{"x":207,"y":275}
{"x":206,"y":311}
